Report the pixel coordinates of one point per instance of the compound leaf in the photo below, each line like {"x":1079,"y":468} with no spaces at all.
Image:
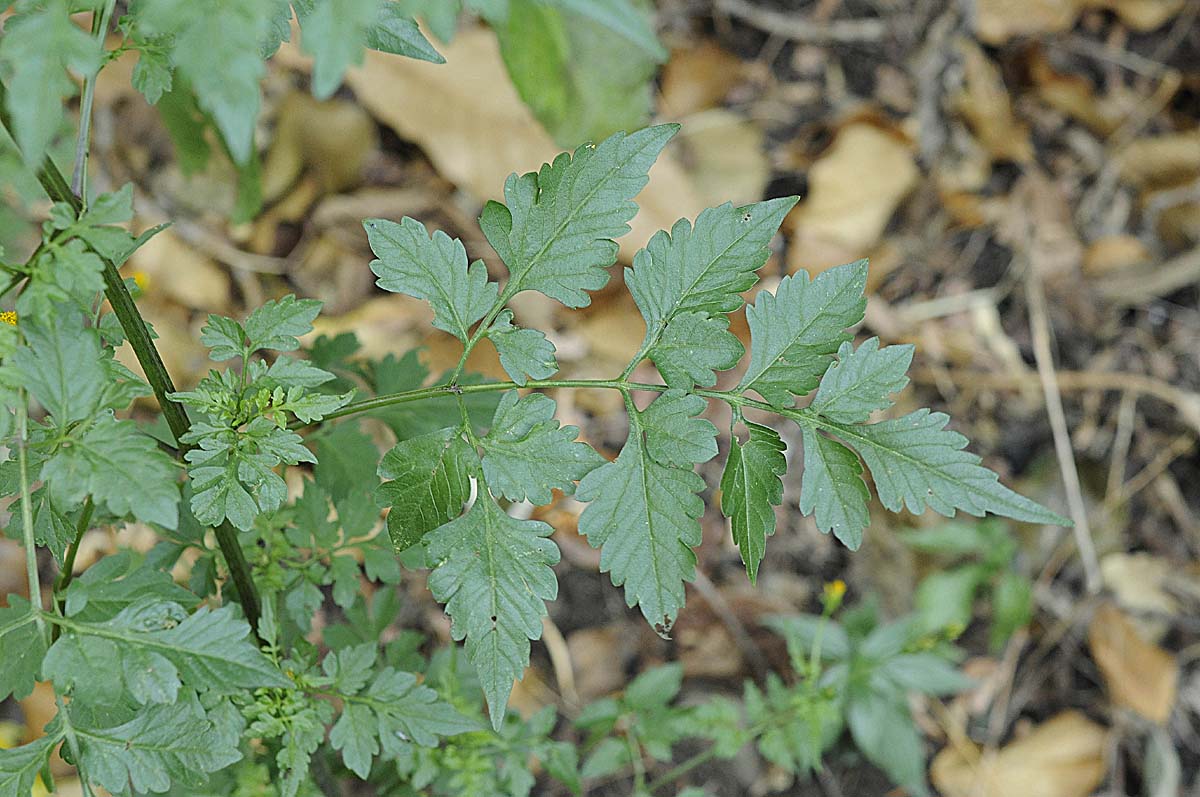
{"x":429,"y":484}
{"x":795,"y":331}
{"x":832,"y":489}
{"x":692,"y":348}
{"x":24,"y":645}
{"x":162,"y":745}
{"x":277,"y":324}
{"x":494,"y":574}
{"x":528,"y":454}
{"x":121,"y":468}
{"x":556,"y":236}
{"x":643,"y":516}
{"x":862,"y":381}
{"x":431,"y":268}
{"x":524,"y":353}
{"x":751,"y":487}
{"x":674,"y":436}
{"x":917,"y":463}
{"x":19,"y":767}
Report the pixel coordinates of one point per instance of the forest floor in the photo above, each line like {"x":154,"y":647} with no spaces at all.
{"x":1026,"y":182}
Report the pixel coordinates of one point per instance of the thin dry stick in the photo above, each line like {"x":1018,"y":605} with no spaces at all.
{"x":1122,"y":439}
{"x":792,"y":26}
{"x":1040,"y":328}
{"x":560,"y":660}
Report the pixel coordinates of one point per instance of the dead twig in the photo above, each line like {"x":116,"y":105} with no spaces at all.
{"x":792,"y":26}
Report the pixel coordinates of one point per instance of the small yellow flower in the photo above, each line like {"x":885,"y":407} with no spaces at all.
{"x":141,"y":279}
{"x":832,"y":595}
{"x":8,"y":317}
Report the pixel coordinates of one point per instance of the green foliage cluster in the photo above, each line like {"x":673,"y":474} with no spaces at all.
{"x":223,"y":684}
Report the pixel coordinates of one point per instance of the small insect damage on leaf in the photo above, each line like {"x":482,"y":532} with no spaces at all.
{"x":663,"y":629}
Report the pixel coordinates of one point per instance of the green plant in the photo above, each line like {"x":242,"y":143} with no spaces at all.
{"x":982,"y":554}
{"x":223,"y":685}
{"x":854,"y":675}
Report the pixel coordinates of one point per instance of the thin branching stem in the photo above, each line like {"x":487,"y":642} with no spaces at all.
{"x":100,"y":20}
{"x":31,"y":564}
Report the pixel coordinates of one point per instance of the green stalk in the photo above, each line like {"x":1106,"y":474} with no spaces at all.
{"x":82,"y":142}
{"x":55,"y":185}
{"x":27,"y":538}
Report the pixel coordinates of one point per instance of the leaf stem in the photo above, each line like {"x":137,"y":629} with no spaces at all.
{"x":79,"y":176}
{"x":31,"y":564}
{"x":68,"y":568}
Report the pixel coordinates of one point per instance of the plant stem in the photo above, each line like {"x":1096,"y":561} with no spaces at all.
{"x":79,"y":177}
{"x":68,"y":568}
{"x":703,"y":757}
{"x":31,"y":564}
{"x":156,"y":372}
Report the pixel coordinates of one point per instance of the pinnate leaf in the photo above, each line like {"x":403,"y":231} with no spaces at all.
{"x":795,"y":331}
{"x":431,"y":268}
{"x":643,"y":516}
{"x":916,"y":463}
{"x":19,"y":766}
{"x":524,"y":353}
{"x":692,"y":347}
{"x":832,"y":489}
{"x":494,"y":574}
{"x":751,"y":487}
{"x":862,"y":381}
{"x":162,"y":745}
{"x":527,"y":454}
{"x":556,"y":233}
{"x":674,"y":436}
{"x":429,"y":483}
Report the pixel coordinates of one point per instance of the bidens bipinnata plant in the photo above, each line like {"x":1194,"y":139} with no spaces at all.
{"x":218,"y":682}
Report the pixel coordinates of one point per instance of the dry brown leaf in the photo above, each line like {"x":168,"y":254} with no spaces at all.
{"x":1139,"y":675}
{"x":853,"y":191}
{"x":1168,"y":159}
{"x":725,"y":157}
{"x":1075,"y":96}
{"x":1143,"y":15}
{"x":333,"y":138}
{"x":1114,"y":253}
{"x":467,"y":117}
{"x":985,"y":104}
{"x":177,"y":271}
{"x":1062,"y":757}
{"x":697,"y":78}
{"x":997,"y":21}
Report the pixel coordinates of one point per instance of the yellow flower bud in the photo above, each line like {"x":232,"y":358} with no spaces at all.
{"x":8,"y":317}
{"x":832,"y":595}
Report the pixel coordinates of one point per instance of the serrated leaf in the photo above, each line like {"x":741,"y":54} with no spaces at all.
{"x":524,"y":353}
{"x":215,"y":45}
{"x":205,"y":650}
{"x":429,"y":484}
{"x":117,"y":581}
{"x":493,"y":573}
{"x":37,"y":48}
{"x":884,"y":731}
{"x":751,"y":486}
{"x":121,"y":468}
{"x":24,"y":646}
{"x":19,"y":767}
{"x":333,"y":33}
{"x":277,"y":324}
{"x":674,"y":435}
{"x":705,"y":268}
{"x":69,"y":273}
{"x":224,"y":337}
{"x":62,"y":367}
{"x":917,"y":463}
{"x":692,"y":347}
{"x":162,"y":745}
{"x":394,"y":710}
{"x":795,"y":331}
{"x":431,"y":268}
{"x":643,"y":516}
{"x":152,"y":75}
{"x":622,"y":17}
{"x":528,"y":454}
{"x":832,"y":489}
{"x":397,"y":33}
{"x":556,"y":237}
{"x":862,"y":381}
{"x":581,"y":80}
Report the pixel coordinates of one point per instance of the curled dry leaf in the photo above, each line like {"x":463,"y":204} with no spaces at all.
{"x":1168,"y":159}
{"x":725,"y":156}
{"x":698,"y":78}
{"x":854,"y":189}
{"x":1062,"y":757}
{"x":998,"y":21}
{"x":1140,"y":675}
{"x":985,"y":104}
